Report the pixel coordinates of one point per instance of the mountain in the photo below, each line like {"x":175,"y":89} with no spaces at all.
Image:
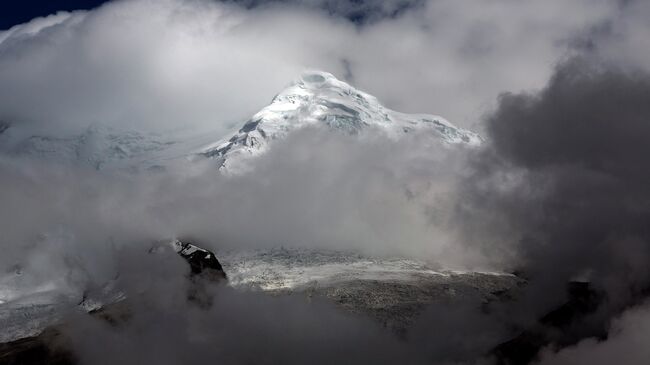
{"x":96,"y":146}
{"x":101,"y":147}
{"x":319,"y":98}
{"x":316,"y":98}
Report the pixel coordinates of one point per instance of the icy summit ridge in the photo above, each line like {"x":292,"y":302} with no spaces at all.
{"x":315,"y":98}
{"x":318,"y":97}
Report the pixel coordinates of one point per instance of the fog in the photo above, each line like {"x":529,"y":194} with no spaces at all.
{"x":562,"y":185}
{"x":557,"y":192}
{"x":202,"y":65}
{"x":376,"y":195}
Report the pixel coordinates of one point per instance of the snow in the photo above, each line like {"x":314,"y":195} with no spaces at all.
{"x":319,"y":98}
{"x":294,"y":268}
{"x":28,"y":309}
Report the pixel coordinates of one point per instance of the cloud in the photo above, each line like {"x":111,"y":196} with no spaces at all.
{"x":559,"y":189}
{"x":562,"y":185}
{"x":253,"y":327}
{"x":625,"y":343}
{"x":620,"y":40}
{"x":365,"y":192}
{"x":204,"y":65}
{"x":238,"y":328}
{"x":200,"y":65}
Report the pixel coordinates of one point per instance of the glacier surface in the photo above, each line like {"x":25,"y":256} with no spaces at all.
{"x":318,"y":98}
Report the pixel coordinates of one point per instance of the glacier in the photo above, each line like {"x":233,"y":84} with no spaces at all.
{"x":316,"y":98}
{"x":319,"y":98}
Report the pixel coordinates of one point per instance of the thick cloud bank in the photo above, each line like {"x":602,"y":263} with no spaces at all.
{"x":363,"y":193}
{"x":567,"y":169}
{"x":318,"y":188}
{"x":563,"y":187}
{"x":626,"y":344}
{"x":239,"y":327}
{"x":558,"y":191}
{"x":198,"y":64}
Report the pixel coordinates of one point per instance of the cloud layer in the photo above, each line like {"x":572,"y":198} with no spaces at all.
{"x":197,"y":64}
{"x":559,"y":191}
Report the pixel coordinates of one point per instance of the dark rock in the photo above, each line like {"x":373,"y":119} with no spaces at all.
{"x":202,"y":262}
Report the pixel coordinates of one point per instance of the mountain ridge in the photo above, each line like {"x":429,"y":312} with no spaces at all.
{"x":319,"y":98}
{"x":316,"y":98}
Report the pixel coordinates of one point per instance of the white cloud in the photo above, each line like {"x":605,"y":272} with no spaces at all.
{"x":176,"y":64}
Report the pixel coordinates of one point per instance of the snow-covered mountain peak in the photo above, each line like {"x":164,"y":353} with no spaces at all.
{"x":319,"y":98}
{"x":315,"y":98}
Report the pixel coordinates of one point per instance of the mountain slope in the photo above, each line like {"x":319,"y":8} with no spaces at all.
{"x":101,"y":147}
{"x":319,"y":98}
{"x":316,"y":98}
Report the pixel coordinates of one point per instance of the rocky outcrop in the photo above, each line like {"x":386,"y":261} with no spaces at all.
{"x":203,"y":263}
{"x":205,"y":270}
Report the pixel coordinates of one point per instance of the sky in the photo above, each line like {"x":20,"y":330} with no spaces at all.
{"x":360,"y":12}
{"x":17,"y":12}
{"x":558,"y":90}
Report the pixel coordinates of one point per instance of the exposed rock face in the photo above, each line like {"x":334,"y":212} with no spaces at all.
{"x":202,"y":262}
{"x":205,"y":270}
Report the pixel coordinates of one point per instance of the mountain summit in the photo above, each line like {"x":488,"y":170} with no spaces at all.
{"x":319,"y":98}
{"x":316,"y":98}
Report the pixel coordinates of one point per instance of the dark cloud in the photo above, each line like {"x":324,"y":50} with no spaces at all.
{"x":588,"y":116}
{"x":625,"y":344}
{"x":238,"y":328}
{"x":561,"y":189}
{"x":163,"y":327}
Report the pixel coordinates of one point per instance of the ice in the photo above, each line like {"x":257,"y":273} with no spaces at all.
{"x":318,"y":98}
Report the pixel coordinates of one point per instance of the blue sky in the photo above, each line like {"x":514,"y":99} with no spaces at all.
{"x":16,"y":12}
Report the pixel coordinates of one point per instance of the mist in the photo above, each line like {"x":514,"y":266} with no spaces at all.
{"x":376,"y":195}
{"x":556,"y":193}
{"x":200,"y":65}
{"x":562,"y":187}
{"x":365,"y":193}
